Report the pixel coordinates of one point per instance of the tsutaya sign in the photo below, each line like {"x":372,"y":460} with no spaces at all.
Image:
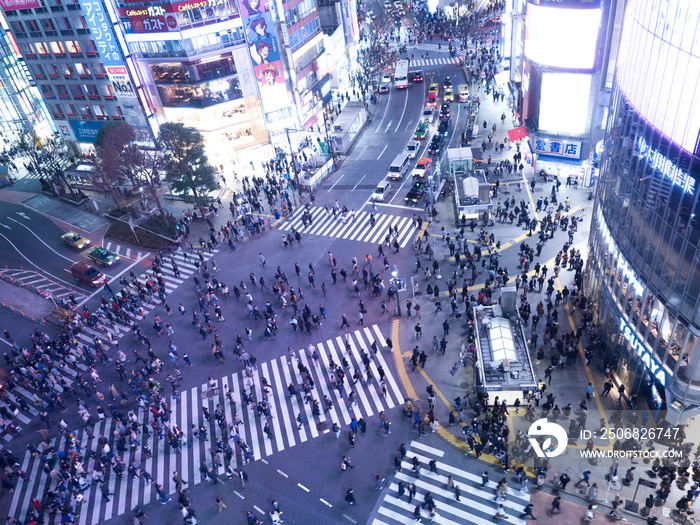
{"x":622,"y":263}
{"x":666,"y":167}
{"x":643,"y":352}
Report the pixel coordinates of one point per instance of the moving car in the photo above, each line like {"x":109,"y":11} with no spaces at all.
{"x":445,"y":110}
{"x":417,"y":76}
{"x":386,"y":78}
{"x":449,"y":95}
{"x":435,"y":144}
{"x":383,"y":189}
{"x":434,"y":88}
{"x":432,"y":100}
{"x":383,"y":88}
{"x":421,"y":131}
{"x":422,"y":168}
{"x":84,"y":273}
{"x":412,"y":149}
{"x":416,"y":192}
{"x":463,"y":93}
{"x":102,"y":256}
{"x":428,"y":115}
{"x":447,"y":82}
{"x":75,"y":240}
{"x":444,"y":127}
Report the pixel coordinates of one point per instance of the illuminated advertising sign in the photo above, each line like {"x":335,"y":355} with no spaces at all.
{"x":106,"y":42}
{"x":643,"y":352}
{"x":627,"y":273}
{"x":164,"y":18}
{"x":564,"y":99}
{"x":85,"y":131}
{"x":669,"y":170}
{"x":658,"y":63}
{"x":560,"y":37}
{"x":265,"y":54}
{"x":556,"y":148}
{"x":11,"y":5}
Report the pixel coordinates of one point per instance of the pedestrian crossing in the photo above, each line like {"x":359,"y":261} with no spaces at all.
{"x":186,"y":410}
{"x":434,"y":62}
{"x":476,"y":505}
{"x":360,"y":229}
{"x":127,"y":252}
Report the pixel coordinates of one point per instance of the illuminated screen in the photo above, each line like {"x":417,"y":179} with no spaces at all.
{"x":660,"y":73}
{"x":564,"y":102}
{"x":560,"y":37}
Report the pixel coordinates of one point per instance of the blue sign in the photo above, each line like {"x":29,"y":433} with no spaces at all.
{"x":101,"y":29}
{"x":666,"y":167}
{"x":643,"y":352}
{"x":85,"y":131}
{"x":557,"y":148}
{"x":279,"y":114}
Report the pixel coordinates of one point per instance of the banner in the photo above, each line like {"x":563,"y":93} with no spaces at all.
{"x":11,"y":5}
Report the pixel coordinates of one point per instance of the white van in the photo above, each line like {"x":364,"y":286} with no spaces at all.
{"x":382,"y":191}
{"x":463,"y":93}
{"x":398,"y":167}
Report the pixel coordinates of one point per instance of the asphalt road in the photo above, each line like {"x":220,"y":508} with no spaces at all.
{"x":314,"y":464}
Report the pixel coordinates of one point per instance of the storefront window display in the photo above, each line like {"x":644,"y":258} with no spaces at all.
{"x":186,"y":73}
{"x":200,"y":95}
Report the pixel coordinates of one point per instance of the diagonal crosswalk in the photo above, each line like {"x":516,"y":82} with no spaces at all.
{"x":278,"y":373}
{"x":360,"y":229}
{"x":476,"y":505}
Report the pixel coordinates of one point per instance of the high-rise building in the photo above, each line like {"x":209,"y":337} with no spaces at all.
{"x":76,"y":60}
{"x":22,"y":108}
{"x":644,"y":261}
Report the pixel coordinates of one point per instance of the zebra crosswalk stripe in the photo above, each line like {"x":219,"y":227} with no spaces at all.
{"x":186,"y":410}
{"x":476,"y":504}
{"x":360,"y":229}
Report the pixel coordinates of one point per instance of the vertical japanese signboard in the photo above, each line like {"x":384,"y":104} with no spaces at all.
{"x":102,"y":32}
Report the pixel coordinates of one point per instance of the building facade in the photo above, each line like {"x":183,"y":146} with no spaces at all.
{"x":76,"y":60}
{"x":644,"y":274}
{"x":22,"y":107}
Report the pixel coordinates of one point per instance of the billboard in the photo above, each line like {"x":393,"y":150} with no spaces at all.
{"x":562,"y":38}
{"x":11,"y":5}
{"x":265,"y":54}
{"x":556,"y":148}
{"x":108,"y":47}
{"x":564,"y":100}
{"x":85,"y":131}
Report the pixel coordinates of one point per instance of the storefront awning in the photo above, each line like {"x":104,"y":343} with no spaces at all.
{"x":310,"y":124}
{"x":517,"y":133}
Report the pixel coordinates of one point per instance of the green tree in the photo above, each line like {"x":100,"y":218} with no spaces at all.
{"x":48,"y":158}
{"x":113,"y":159}
{"x":187,"y":167}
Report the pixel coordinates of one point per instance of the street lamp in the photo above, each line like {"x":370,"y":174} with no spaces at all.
{"x":395,"y":275}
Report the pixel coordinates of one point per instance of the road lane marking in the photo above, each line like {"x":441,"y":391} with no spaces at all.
{"x":303,"y":487}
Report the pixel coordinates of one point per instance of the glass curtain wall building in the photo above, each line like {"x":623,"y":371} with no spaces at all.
{"x":644,"y":241}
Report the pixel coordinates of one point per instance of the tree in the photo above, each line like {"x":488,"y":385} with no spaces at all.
{"x":113,"y":160}
{"x":48,"y":158}
{"x":147,"y":166}
{"x":465,"y":27}
{"x":186,"y":165}
{"x":373,"y":58}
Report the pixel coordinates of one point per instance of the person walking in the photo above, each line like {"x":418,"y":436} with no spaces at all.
{"x":457,"y":492}
{"x":484,"y":479}
{"x":527,"y":513}
{"x":350,"y":497}
{"x":220,"y":505}
{"x":556,"y":505}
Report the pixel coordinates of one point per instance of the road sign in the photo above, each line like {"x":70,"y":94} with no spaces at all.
{"x":647,"y":483}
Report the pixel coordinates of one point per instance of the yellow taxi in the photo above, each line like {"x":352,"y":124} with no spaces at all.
{"x":449,"y":95}
{"x":434,"y":88}
{"x":75,"y":240}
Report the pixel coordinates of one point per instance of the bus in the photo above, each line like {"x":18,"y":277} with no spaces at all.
{"x":401,"y":74}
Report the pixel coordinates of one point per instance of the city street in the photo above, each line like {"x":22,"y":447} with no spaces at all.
{"x":298,"y":464}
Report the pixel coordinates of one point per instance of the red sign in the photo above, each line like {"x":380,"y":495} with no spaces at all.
{"x":11,"y":5}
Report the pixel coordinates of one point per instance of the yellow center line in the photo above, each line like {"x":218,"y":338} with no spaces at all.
{"x":532,"y":201}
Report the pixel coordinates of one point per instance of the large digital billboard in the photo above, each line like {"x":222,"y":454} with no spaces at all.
{"x":658,"y":68}
{"x":562,"y":37}
{"x":564,"y":102}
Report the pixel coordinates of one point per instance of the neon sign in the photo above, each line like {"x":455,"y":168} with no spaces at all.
{"x":669,"y":170}
{"x":622,"y":263}
{"x":643,"y":352}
